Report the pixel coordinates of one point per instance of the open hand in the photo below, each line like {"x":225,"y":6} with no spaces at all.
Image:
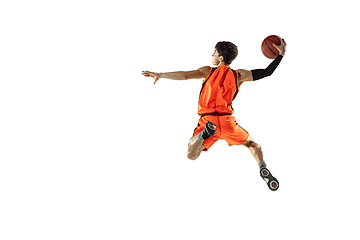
{"x":156,"y":76}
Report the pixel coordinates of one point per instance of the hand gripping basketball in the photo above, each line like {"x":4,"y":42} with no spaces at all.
{"x":272,"y":46}
{"x":282,"y":47}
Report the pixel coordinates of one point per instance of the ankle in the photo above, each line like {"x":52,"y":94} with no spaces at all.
{"x":262,"y":164}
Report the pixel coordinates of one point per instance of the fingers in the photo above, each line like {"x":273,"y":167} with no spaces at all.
{"x":282,"y":43}
{"x":156,"y":79}
{"x":282,"y":46}
{"x":276,"y":46}
{"x":148,"y":74}
{"x":151,"y":74}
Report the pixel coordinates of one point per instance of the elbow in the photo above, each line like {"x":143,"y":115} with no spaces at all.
{"x":268,"y":73}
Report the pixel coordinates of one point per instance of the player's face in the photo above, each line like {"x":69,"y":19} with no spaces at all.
{"x":215,"y":58}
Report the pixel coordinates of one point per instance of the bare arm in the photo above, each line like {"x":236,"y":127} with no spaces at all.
{"x":245,"y":75}
{"x":180,"y":75}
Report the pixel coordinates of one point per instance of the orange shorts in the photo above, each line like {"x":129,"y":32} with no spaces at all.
{"x":226,"y":128}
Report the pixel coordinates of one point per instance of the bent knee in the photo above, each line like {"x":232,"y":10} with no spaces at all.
{"x":255,"y":146}
{"x":192,"y":155}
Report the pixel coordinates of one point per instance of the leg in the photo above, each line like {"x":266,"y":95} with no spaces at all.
{"x":195,"y":148}
{"x":255,"y":150}
{"x":195,"y":145}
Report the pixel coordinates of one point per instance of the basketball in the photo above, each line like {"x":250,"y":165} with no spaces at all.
{"x":267,"y":46}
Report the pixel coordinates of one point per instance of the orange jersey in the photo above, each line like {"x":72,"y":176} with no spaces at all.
{"x":218,"y":91}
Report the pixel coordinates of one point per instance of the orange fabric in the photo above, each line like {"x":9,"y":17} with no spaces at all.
{"x":226,"y":128}
{"x":218,"y":91}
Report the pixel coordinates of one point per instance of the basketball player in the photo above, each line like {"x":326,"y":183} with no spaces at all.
{"x":220,"y":87}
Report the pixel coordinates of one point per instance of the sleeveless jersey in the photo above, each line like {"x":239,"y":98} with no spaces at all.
{"x":218,"y":91}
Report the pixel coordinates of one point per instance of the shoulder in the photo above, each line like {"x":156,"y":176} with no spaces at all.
{"x":205,"y":70}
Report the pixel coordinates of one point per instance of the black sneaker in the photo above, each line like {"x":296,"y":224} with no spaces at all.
{"x":272,"y":182}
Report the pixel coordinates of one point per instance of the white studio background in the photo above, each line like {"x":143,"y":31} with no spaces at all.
{"x":90,"y":149}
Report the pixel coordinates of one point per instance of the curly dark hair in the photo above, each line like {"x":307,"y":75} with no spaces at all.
{"x":228,"y":50}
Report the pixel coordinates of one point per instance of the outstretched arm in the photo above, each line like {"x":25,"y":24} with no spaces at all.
{"x":257,"y":74}
{"x":181,"y":75}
